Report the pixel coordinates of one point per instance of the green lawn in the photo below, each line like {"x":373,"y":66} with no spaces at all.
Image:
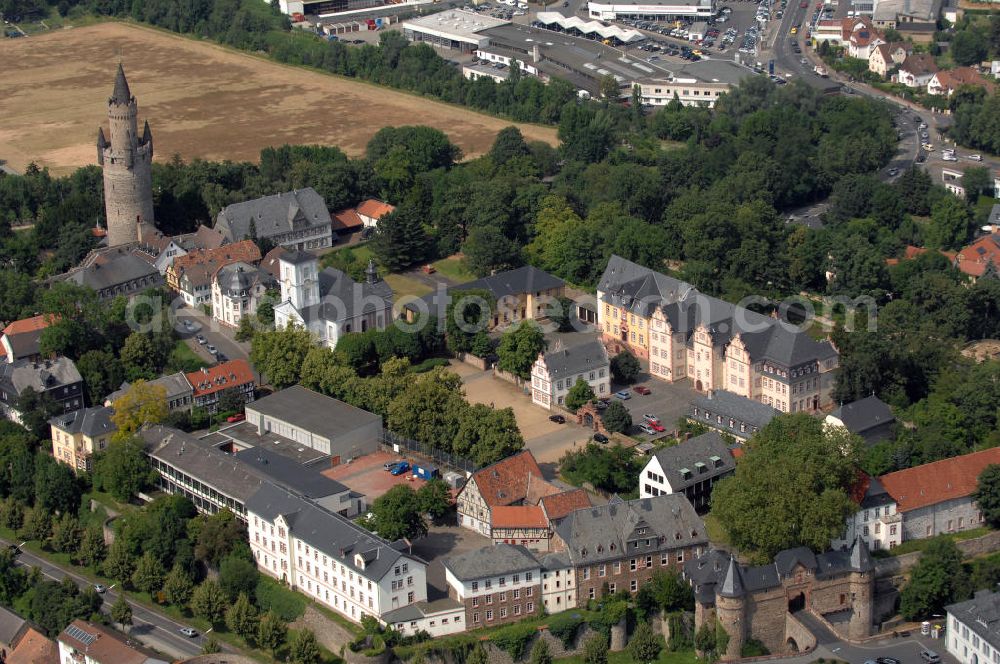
{"x":182,"y":358}
{"x":716,"y":533}
{"x":402,"y":284}
{"x":921,"y":544}
{"x":454,"y":269}
{"x":622,"y":657}
{"x":273,"y":596}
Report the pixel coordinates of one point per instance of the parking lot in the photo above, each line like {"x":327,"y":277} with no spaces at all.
{"x":666,"y":401}
{"x":368,"y":476}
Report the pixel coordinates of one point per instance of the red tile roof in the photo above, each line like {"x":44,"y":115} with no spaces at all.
{"x":34,"y":648}
{"x":346,"y":219}
{"x":375,"y":209}
{"x":973,"y":259}
{"x":271,"y":263}
{"x":201,"y":264}
{"x":32,"y":324}
{"x":106,"y":647}
{"x":919,"y":64}
{"x":559,"y":505}
{"x":937,"y":482}
{"x":220,"y":377}
{"x":506,"y":481}
{"x":951,"y":79}
{"x":518,"y":516}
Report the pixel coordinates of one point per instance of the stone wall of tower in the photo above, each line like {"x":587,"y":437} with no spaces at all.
{"x":862,"y":600}
{"x":128,"y":179}
{"x":732,"y":616}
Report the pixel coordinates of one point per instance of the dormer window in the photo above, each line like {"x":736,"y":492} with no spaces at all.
{"x":716,"y":461}
{"x":685,"y":473}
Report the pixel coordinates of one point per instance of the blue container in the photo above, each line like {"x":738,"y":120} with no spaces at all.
{"x":426,"y":472}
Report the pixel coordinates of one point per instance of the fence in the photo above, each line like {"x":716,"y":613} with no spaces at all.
{"x":440,"y":457}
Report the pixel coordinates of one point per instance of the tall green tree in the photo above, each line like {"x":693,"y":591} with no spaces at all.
{"x":625,"y":368}
{"x":519,"y":347}
{"x":123,"y":469}
{"x":121,"y":611}
{"x":397,"y":514}
{"x":950,"y":224}
{"x":178,"y":586}
{"x":303,"y":648}
{"x":579,"y":394}
{"x":279,"y":354}
{"x":271,"y":632}
{"x":938,"y":579}
{"x":242,"y":617}
{"x":616,"y":418}
{"x":644,"y":646}
{"x":209,"y":602}
{"x":148,"y":574}
{"x":987,"y":494}
{"x":400,"y":239}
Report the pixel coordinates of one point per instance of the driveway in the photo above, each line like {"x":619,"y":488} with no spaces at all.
{"x":667,"y":401}
{"x":547,"y":440}
{"x":219,"y":336}
{"x":441,"y":542}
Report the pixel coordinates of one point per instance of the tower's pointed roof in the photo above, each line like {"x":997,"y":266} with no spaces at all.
{"x":732,"y":584}
{"x":101,"y":141}
{"x":147,"y":135}
{"x":861,"y":559}
{"x":121,"y":95}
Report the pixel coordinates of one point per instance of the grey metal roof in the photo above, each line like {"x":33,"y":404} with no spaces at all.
{"x":307,"y":481}
{"x":597,"y":534}
{"x":419,"y":610}
{"x":641,"y":291}
{"x":11,"y":625}
{"x":273,"y":215}
{"x":94,"y":421}
{"x":317,"y":413}
{"x":708,"y":449}
{"x":330,"y":533}
{"x":340,"y":296}
{"x":742,"y":409}
{"x":864,"y":414}
{"x":43,"y":375}
{"x":981,"y":614}
{"x":527,"y":279}
{"x":490,"y":561}
{"x":587,"y":356}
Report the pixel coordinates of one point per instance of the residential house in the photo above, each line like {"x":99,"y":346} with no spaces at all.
{"x":936,"y":498}
{"x":329,"y":303}
{"x":57,"y":377}
{"x":297,"y":219}
{"x":558,"y":582}
{"x":856,"y":35}
{"x":213,"y":478}
{"x":981,"y":257}
{"x":438,"y":618}
{"x":877,"y":520}
{"x":271,"y":263}
{"x":12,"y":629}
{"x":948,"y":81}
{"x":952,"y":180}
{"x":85,"y":642}
{"x":525,"y":293}
{"x":122,"y":270}
{"x":692,"y":467}
{"x":731,"y":414}
{"x":78,"y":435}
{"x":191,"y":275}
{"x":318,"y":422}
{"x":972,"y":632}
{"x":237,"y":291}
{"x":372,"y":210}
{"x":346,"y":222}
{"x":209,"y":384}
{"x":179,"y":392}
{"x":870,"y":418}
{"x":21,"y":339}
{"x":555,"y":372}
{"x":33,"y":648}
{"x":331,"y":559}
{"x":886,"y":57}
{"x":623,"y":544}
{"x":718,"y":345}
{"x":163,"y":249}
{"x":510,"y":502}
{"x":496,"y":584}
{"x":917,"y":70}
{"x":863,"y":39}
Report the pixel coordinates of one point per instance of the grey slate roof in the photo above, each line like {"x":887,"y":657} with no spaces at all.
{"x":44,"y":375}
{"x":527,"y":279}
{"x":287,"y":472}
{"x":25,"y":344}
{"x":641,"y":290}
{"x":273,"y":215}
{"x":732,"y":582}
{"x":875,"y":495}
{"x":315,"y":412}
{"x":994,"y":215}
{"x":240,"y":276}
{"x":864,"y":414}
{"x":419,"y":610}
{"x":704,"y":449}
{"x":552,"y":561}
{"x":330,"y":533}
{"x":583,"y":357}
{"x":121,"y":93}
{"x":499,"y":559}
{"x":118,"y":270}
{"x":981,"y":614}
{"x":94,"y":421}
{"x":297,"y":257}
{"x":602,"y":533}
{"x":175,"y":384}
{"x":339,"y":294}
{"x":11,"y":626}
{"x":728,"y":404}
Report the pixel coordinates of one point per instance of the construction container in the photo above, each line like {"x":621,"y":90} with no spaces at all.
{"x":426,"y":472}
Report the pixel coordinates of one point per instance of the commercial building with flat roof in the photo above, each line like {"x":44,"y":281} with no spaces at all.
{"x":454,"y":29}
{"x":651,"y":9}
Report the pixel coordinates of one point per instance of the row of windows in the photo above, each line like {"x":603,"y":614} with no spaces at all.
{"x":502,"y":597}
{"x":633,"y":565}
{"x":502,"y":581}
{"x":529,"y":608}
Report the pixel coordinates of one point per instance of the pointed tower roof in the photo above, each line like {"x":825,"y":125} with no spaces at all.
{"x":101,"y":141}
{"x":147,"y":135}
{"x":732,"y":584}
{"x":121,"y":94}
{"x":861,"y":559}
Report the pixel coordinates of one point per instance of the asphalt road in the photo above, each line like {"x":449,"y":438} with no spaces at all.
{"x":215,"y":334}
{"x":151,"y":628}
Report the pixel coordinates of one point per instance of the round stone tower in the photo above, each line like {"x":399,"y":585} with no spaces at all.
{"x":127,"y":160}
{"x":862,"y":585}
{"x":730,"y":609}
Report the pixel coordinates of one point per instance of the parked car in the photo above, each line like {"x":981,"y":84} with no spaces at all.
{"x":976,"y":157}
{"x":886,"y":660}
{"x":189,"y":632}
{"x":558,"y":419}
{"x":238,"y":417}
{"x":893,"y":172}
{"x":188,"y":325}
{"x":600,"y":404}
{"x":389,"y":465}
{"x":652,"y":419}
{"x":601,"y":438}
{"x":646,"y":429}
{"x":624,"y":395}
{"x":211,"y":349}
{"x":642,"y":389}
{"x":657,"y":427}
{"x":201,"y":339}
{"x":100,"y":588}
{"x":400,"y":468}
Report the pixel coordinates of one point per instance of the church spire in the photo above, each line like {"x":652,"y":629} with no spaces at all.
{"x":147,"y":135}
{"x":121,"y":94}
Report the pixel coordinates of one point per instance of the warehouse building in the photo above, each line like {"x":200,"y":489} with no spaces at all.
{"x":455,"y":29}
{"x":651,"y":10}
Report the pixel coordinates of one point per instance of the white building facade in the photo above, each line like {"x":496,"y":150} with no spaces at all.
{"x":554,"y":374}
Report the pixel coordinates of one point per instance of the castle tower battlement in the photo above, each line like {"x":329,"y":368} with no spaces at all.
{"x":127,"y":160}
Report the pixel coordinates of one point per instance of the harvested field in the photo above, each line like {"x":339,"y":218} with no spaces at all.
{"x":201,"y":100}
